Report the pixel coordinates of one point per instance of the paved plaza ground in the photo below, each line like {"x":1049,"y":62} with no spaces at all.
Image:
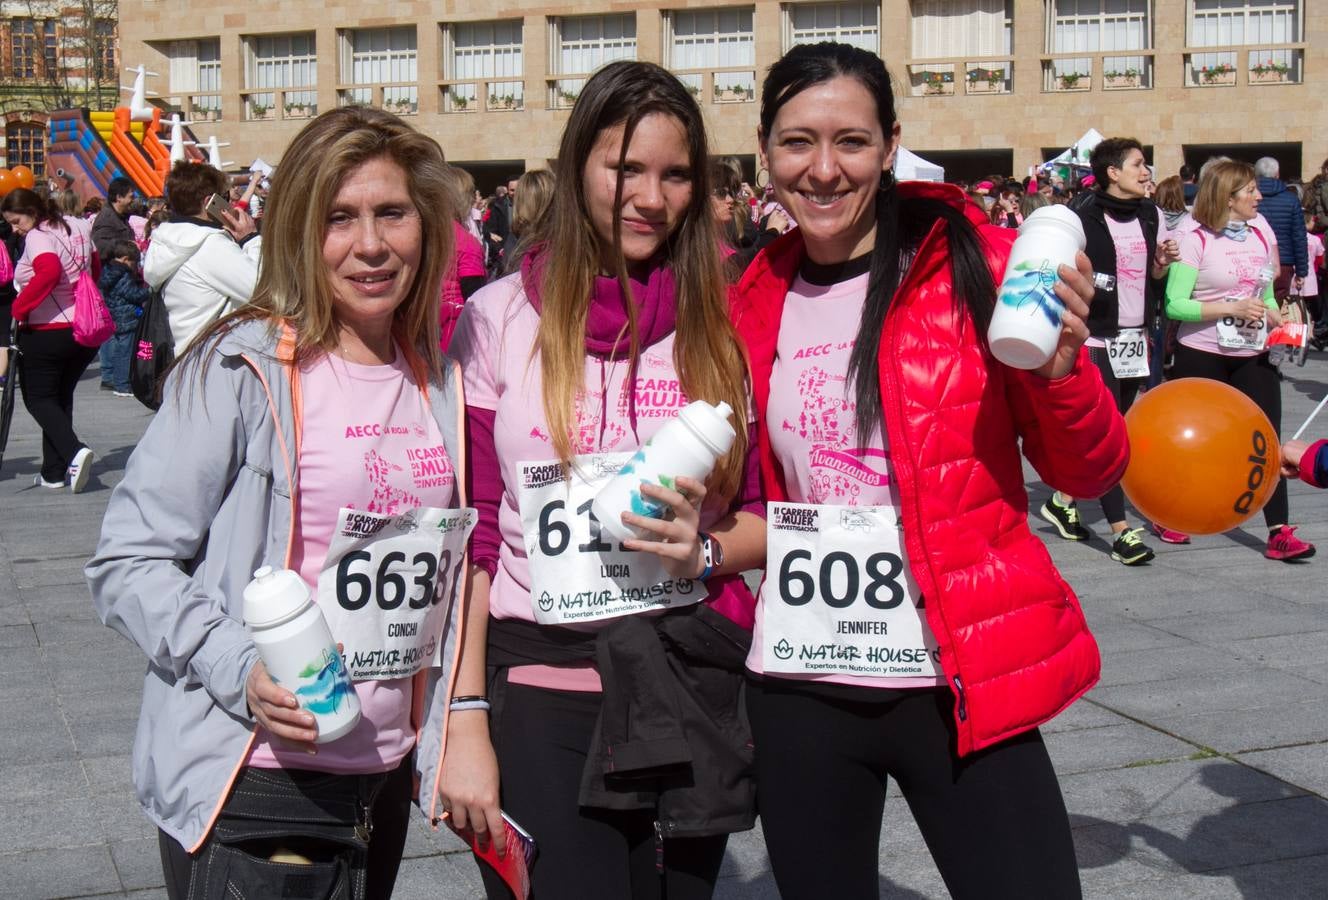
{"x":1197,"y":768}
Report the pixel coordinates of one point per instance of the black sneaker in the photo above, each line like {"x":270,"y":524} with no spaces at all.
{"x":1129,"y":548}
{"x":1066,"y":519}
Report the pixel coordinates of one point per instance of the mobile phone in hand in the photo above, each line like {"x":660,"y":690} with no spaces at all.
{"x":215,"y":207}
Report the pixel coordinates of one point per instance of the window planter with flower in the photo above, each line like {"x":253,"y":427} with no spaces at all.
{"x":260,"y":111}
{"x":400,"y":107}
{"x":1114,"y":80}
{"x":295,"y":110}
{"x":567,"y":99}
{"x":458,"y":102}
{"x":986,"y":81}
{"x":1222,"y":73}
{"x":1072,"y":81}
{"x":502,"y":101}
{"x":937,"y":83}
{"x":1269,"y":72}
{"x":734,"y":93}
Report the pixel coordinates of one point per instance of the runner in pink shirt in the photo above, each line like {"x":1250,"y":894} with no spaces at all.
{"x":624,"y":757}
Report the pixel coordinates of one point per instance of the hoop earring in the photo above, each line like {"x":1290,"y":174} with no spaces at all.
{"x":756,"y":182}
{"x":887,"y":181}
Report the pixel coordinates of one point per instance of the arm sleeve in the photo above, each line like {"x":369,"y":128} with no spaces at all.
{"x":485,"y":488}
{"x":1072,"y":432}
{"x":46,"y":274}
{"x":1181,"y":305}
{"x":750,"y":499}
{"x":143,"y":576}
{"x":470,"y":284}
{"x":1314,"y":465}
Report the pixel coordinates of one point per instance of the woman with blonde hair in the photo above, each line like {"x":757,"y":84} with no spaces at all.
{"x":1221,"y":292}
{"x":314,"y":429}
{"x":534,"y":193}
{"x":613,"y":668}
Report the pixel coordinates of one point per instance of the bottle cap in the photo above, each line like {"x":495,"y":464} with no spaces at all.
{"x":273,"y":597}
{"x":710,"y":424}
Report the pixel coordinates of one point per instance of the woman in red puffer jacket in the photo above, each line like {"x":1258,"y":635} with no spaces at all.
{"x":910,"y":625}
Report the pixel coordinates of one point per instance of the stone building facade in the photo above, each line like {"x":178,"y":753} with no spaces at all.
{"x":983,"y":85}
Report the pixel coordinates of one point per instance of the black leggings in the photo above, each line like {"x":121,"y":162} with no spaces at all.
{"x":1256,"y":378}
{"x":1123,"y":391}
{"x":995,"y":821}
{"x":50,"y":367}
{"x":542,"y":738}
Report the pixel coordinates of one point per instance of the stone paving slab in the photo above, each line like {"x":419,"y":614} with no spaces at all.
{"x":1208,"y":650}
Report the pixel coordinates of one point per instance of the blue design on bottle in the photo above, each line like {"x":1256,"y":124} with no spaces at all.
{"x":330,"y":685}
{"x":1031,"y":290}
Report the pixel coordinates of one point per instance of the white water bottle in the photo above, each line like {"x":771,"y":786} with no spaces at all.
{"x":297,"y":648}
{"x":1026,"y":323}
{"x":689,"y":445}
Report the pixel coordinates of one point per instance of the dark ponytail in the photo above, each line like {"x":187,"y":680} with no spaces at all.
{"x":901,"y":225}
{"x":25,"y":202}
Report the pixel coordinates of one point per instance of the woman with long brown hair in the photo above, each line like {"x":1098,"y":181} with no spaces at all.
{"x":598,"y":657}
{"x":314,"y":429}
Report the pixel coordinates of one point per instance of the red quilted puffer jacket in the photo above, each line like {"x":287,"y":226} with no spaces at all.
{"x":1013,"y":641}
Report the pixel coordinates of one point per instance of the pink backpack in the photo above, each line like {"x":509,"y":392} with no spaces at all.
{"x":93,"y":325}
{"x":6,"y":264}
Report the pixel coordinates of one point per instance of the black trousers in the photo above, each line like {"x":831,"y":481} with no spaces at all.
{"x":1123,"y":391}
{"x":1256,"y":378}
{"x":50,"y":367}
{"x":995,"y":821}
{"x":542,"y":738}
{"x":321,"y":816}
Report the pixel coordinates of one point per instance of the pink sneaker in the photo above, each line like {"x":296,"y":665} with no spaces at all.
{"x":1167,"y":536}
{"x":1284,"y":545}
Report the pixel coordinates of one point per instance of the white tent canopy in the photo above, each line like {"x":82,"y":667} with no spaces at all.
{"x":1077,"y":154}
{"x":911,"y":167}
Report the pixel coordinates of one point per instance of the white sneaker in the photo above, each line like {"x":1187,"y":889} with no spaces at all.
{"x":80,"y":470}
{"x":38,"y":481}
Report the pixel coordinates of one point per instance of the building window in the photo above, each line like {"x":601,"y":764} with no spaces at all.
{"x":50,"y":49}
{"x":196,"y":72}
{"x":25,"y":145}
{"x":1095,"y":26}
{"x":945,"y":28}
{"x":1217,"y":23}
{"x":106,"y":67}
{"x":484,"y":53}
{"x":583,"y":44}
{"x":851,"y":22}
{"x":709,"y":40}
{"x":381,"y":56}
{"x":23,"y":48}
{"x":281,"y":61}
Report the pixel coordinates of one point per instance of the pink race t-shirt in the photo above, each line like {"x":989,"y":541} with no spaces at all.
{"x":365,"y":429}
{"x":1314,"y":253}
{"x":493,"y":342}
{"x":814,"y":436}
{"x":1227,"y":268}
{"x":74,"y":251}
{"x":1131,"y":273}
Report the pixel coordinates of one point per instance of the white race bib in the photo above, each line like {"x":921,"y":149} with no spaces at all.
{"x":577,"y":572}
{"x":1128,"y":353}
{"x":838,"y":597}
{"x":389,"y":584}
{"x":1235,"y":333}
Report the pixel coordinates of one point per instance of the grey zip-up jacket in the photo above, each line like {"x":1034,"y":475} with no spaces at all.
{"x":207,"y":499}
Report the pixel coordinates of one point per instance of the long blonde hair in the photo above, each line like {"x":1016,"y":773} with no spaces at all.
{"x":1218,"y":184}
{"x":293,"y":285}
{"x":709,"y":359}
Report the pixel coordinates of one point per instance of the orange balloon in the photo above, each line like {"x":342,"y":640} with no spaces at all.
{"x":23,"y":176}
{"x":1203,"y":456}
{"x":7,"y":182}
